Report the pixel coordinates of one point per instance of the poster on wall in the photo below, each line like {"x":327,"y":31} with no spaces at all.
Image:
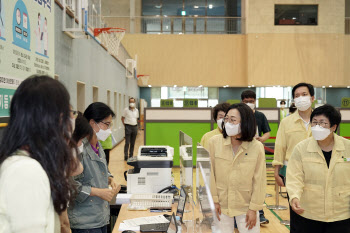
{"x":26,"y":44}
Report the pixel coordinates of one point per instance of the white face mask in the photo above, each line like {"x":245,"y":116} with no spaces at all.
{"x":283,"y":105}
{"x":250,"y":105}
{"x":102,"y":135}
{"x":219,"y":122}
{"x":303,"y":103}
{"x":132,"y":105}
{"x":232,"y":129}
{"x":320,"y":133}
{"x":81,"y":148}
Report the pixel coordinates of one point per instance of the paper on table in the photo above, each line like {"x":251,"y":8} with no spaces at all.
{"x":124,"y":227}
{"x":145,"y":220}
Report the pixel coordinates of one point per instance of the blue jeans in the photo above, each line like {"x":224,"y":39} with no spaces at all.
{"x":94,"y":230}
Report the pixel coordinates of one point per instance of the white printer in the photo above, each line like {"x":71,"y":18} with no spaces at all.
{"x":152,"y":169}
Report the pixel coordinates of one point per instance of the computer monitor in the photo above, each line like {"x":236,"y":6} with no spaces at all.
{"x":186,"y":162}
{"x":206,"y":201}
{"x":182,"y":203}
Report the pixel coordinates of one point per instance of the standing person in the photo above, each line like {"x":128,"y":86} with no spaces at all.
{"x":263,"y":130}
{"x":317,"y":177}
{"x":238,"y":177}
{"x":129,"y":120}
{"x":218,"y":115}
{"x":291,"y":131}
{"x":45,"y":37}
{"x":36,"y":159}
{"x":81,"y":130}
{"x":90,"y":210}
{"x":283,"y":110}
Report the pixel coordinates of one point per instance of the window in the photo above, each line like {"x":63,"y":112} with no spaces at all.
{"x":94,"y":94}
{"x":116,"y":121}
{"x":296,"y":15}
{"x":109,"y":98}
{"x":80,"y":97}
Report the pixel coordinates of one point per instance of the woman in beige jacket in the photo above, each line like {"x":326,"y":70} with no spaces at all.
{"x":238,"y":179}
{"x":318,"y":181}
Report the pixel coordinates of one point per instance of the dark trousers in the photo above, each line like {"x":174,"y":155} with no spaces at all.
{"x":292,"y":215}
{"x":94,"y":230}
{"x":304,"y":225}
{"x":130,"y":138}
{"x":107,"y":154}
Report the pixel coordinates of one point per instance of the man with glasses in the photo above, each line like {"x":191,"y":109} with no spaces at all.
{"x":292,"y":130}
{"x":129,"y":120}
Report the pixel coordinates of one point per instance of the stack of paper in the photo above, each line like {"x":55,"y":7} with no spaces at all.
{"x":134,"y":224}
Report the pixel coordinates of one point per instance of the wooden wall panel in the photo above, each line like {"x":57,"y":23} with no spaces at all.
{"x":190,"y":60}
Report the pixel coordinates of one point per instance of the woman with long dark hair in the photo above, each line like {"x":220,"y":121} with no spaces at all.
{"x":35,"y":158}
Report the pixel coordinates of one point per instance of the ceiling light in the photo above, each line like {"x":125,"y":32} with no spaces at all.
{"x":200,"y":86}
{"x":175,"y":85}
{"x":183,"y":13}
{"x":330,"y":85}
{"x":253,"y":85}
{"x":210,"y":6}
{"x":149,"y":85}
{"x":348,"y":86}
{"x":196,"y":7}
{"x":249,"y":86}
{"x":323,"y":86}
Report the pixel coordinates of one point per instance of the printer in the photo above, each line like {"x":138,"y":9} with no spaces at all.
{"x":152,"y":169}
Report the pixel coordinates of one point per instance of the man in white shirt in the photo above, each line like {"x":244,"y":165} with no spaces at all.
{"x":129,"y":120}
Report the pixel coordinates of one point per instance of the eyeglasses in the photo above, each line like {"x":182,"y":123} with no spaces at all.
{"x":74,"y":113}
{"x":108,"y":124}
{"x":322,"y":124}
{"x":231,"y":119}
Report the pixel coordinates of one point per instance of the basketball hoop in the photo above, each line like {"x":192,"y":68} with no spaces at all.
{"x":111,"y":38}
{"x":143,"y":79}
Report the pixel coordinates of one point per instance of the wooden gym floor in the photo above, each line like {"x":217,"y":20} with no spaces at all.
{"x":117,"y":166}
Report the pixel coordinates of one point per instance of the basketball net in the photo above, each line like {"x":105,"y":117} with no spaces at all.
{"x":110,"y":37}
{"x":143,"y":79}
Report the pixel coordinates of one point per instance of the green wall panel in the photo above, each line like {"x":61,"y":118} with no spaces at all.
{"x":267,"y":103}
{"x":168,"y":134}
{"x":344,"y":129}
{"x":273,"y":133}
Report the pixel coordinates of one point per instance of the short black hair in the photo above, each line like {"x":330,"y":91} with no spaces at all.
{"x":98,"y":111}
{"x":308,"y":85}
{"x":283,"y":101}
{"x":220,"y":107}
{"x":248,"y":123}
{"x":248,"y":94}
{"x":330,"y":112}
{"x":292,"y":108}
{"x":132,"y":98}
{"x":82,"y":128}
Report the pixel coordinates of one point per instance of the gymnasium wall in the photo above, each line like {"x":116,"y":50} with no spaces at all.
{"x":85,"y":61}
{"x":260,"y":17}
{"x":266,"y":55}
